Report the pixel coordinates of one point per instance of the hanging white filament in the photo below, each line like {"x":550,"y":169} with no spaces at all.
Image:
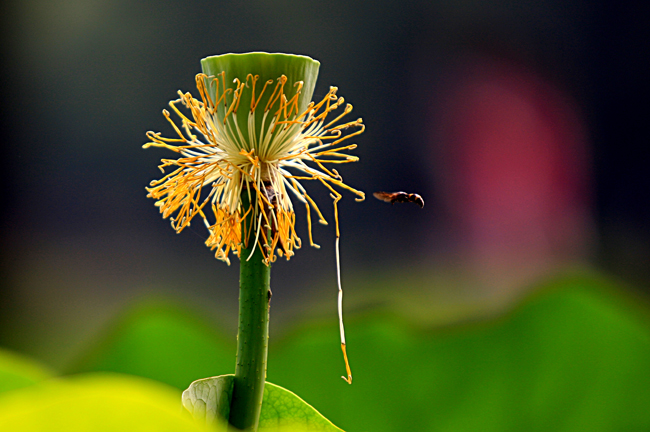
{"x":338,"y":278}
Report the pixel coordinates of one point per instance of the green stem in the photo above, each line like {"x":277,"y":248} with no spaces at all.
{"x":252,"y":335}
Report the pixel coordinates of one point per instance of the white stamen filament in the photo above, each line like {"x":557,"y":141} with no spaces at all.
{"x":341,"y":327}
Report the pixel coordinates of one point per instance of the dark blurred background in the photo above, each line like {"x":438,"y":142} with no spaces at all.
{"x":522,"y":124}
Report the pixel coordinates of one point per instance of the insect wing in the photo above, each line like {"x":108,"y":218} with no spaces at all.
{"x":385,"y":196}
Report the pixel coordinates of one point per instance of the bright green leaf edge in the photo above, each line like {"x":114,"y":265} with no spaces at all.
{"x":96,"y":402}
{"x":208,"y":400}
{"x":17,"y":371}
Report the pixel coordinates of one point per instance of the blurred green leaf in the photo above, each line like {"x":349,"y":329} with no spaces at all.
{"x":209,"y":399}
{"x":161,"y":341}
{"x":17,"y":371}
{"x":95,"y":402}
{"x":574,"y":356}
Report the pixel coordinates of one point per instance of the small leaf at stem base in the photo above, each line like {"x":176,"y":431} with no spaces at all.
{"x":208,"y":400}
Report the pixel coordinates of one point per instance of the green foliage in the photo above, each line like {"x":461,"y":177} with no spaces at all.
{"x":95,"y":402}
{"x":161,"y":341}
{"x":574,"y":356}
{"x":283,"y":409}
{"x":17,"y":371}
{"x":208,"y":399}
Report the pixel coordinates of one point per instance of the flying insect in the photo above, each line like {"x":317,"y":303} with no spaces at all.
{"x":393,"y":197}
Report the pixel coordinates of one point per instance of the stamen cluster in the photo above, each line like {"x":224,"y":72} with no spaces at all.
{"x":231,"y":172}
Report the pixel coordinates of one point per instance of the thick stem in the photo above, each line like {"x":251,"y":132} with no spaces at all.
{"x":252,"y":336}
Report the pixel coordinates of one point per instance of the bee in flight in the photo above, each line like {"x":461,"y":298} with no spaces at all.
{"x":393,"y":197}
